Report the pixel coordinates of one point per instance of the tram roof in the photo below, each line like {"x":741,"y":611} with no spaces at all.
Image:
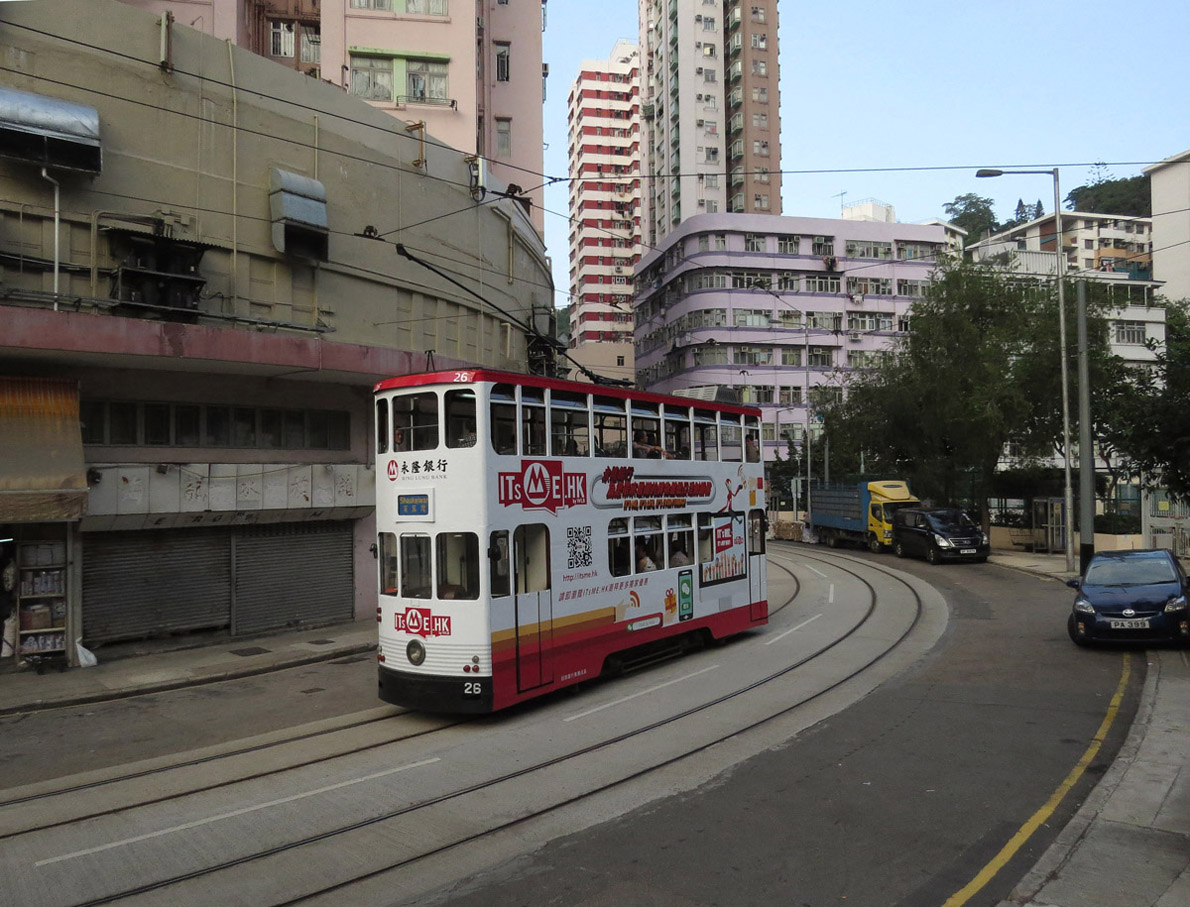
{"x":457,"y":377}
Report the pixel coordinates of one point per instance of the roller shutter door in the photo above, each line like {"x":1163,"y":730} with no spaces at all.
{"x":293,"y":573}
{"x":141,"y":584}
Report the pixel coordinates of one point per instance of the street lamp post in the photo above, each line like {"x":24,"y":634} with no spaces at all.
{"x":1059,"y":274}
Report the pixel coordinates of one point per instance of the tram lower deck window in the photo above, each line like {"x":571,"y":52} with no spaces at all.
{"x":458,"y":565}
{"x":416,"y":570}
{"x":387,"y":555}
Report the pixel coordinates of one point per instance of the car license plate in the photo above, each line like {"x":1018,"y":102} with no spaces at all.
{"x":966,"y":551}
{"x":1140,"y":623}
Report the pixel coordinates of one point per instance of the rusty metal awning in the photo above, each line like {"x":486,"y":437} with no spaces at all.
{"x":42,"y":474}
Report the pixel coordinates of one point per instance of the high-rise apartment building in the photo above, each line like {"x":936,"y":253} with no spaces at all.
{"x":710,"y":126}
{"x":469,"y":71}
{"x":603,"y":115}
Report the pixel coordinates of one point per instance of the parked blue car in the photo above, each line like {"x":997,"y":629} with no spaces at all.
{"x":1130,"y":596}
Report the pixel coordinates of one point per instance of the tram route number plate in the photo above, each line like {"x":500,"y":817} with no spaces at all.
{"x":1140,"y":623}
{"x":472,"y":689}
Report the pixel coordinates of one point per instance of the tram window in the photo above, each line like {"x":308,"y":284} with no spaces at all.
{"x":415,"y":422}
{"x":731,"y":439}
{"x":458,"y":565}
{"x":706,"y":538}
{"x":381,"y":426}
{"x":756,"y":532}
{"x":416,"y":575}
{"x":680,"y":541}
{"x":706,"y":436}
{"x":569,"y":428}
{"x":503,"y":410}
{"x":499,"y":576}
{"x":619,"y":558}
{"x":387,"y":555}
{"x":677,"y":432}
{"x":647,"y":540}
{"x":611,"y":428}
{"x":646,"y":432}
{"x":532,"y":422}
{"x":752,"y":446}
{"x":460,"y":418}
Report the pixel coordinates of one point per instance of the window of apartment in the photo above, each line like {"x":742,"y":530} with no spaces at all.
{"x":709,"y":75}
{"x":503,"y":137}
{"x":864,"y":248}
{"x":791,"y":355}
{"x":1131,"y":332}
{"x":761,"y":174}
{"x":825,"y":321}
{"x":281,"y":37}
{"x":503,"y":61}
{"x":427,"y":7}
{"x":711,"y":180}
{"x":753,"y":242}
{"x":751,"y":318}
{"x":760,"y":40}
{"x":710,"y":355}
{"x":753,"y":355}
{"x":758,"y":14}
{"x":787,"y":245}
{"x":869,"y":321}
{"x":788,"y":281}
{"x":712,"y":206}
{"x":712,"y":156}
{"x":372,"y":78}
{"x":790,"y":396}
{"x":760,"y":202}
{"x":720,"y":242}
{"x":129,"y":424}
{"x":760,"y":121}
{"x":820,"y":283}
{"x":760,"y":68}
{"x":708,"y":50}
{"x":371,"y":4}
{"x":425,"y":79}
{"x":821,"y":357}
{"x":912,"y":251}
{"x":823,"y":245}
{"x":704,"y":243}
{"x":914,"y":288}
{"x":708,"y":23}
{"x":760,"y":95}
{"x":759,"y":147}
{"x":311,"y":44}
{"x":870,"y":286}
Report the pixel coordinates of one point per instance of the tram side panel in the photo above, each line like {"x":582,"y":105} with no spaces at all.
{"x":600,"y":596}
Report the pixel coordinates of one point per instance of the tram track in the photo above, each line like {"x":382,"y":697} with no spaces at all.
{"x":175,"y":885}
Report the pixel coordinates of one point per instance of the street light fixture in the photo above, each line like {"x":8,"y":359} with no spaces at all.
{"x":1059,"y":272}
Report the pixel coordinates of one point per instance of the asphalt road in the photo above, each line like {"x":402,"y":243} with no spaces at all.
{"x":901,"y":799}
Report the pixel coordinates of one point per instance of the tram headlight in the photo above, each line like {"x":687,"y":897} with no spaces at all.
{"x":415,"y":652}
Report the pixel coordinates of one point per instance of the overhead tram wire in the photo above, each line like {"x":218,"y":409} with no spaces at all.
{"x":528,"y":171}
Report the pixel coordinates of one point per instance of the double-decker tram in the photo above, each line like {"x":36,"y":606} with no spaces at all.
{"x":530,"y":529}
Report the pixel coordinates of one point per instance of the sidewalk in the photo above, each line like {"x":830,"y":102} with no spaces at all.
{"x":1128,"y":846}
{"x":150,"y":667}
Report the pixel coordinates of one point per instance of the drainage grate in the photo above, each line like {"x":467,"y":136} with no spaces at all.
{"x":321,"y":642}
{"x":254,"y":650}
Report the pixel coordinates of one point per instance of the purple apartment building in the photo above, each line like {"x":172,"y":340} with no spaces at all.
{"x":778,"y":311}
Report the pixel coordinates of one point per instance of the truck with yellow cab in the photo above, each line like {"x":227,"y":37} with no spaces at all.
{"x":859,"y":512}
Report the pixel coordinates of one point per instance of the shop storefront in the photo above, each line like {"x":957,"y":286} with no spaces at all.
{"x":43,"y":494}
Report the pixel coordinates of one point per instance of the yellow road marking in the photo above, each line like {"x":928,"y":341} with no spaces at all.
{"x":1038,"y":818}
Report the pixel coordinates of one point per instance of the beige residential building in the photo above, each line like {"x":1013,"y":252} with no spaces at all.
{"x":470,"y":72}
{"x":1169,"y":188}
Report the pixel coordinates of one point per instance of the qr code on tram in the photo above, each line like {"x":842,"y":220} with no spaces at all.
{"x":578,"y":547}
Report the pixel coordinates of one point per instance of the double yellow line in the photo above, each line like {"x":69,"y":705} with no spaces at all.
{"x":1017,"y":841}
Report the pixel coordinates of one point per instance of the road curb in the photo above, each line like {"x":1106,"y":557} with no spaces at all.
{"x":1051,"y":863}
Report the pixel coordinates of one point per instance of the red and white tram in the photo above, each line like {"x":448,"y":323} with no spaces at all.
{"x":529,"y":528}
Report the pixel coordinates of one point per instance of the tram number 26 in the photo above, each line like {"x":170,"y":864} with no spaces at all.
{"x":472,"y":688}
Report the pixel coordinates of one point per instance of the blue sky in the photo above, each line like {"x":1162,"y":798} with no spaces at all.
{"x":872,"y":85}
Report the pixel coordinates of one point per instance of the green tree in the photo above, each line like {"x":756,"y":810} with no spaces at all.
{"x":1155,"y":434}
{"x":1129,"y":196}
{"x":972,"y":213}
{"x":941,"y":412}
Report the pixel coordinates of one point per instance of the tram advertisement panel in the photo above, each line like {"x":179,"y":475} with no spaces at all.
{"x":730,"y":560}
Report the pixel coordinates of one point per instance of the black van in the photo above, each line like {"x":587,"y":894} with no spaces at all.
{"x":938,"y":534}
